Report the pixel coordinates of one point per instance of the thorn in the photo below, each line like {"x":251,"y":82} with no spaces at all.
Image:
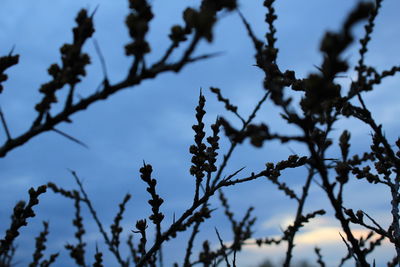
{"x":12,"y":50}
{"x":94,"y":11}
{"x":234,"y":174}
{"x":3,"y":121}
{"x":205,"y":56}
{"x":319,"y":68}
{"x":101,"y":57}
{"x":73,"y":139}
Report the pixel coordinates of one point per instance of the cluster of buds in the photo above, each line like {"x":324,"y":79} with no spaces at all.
{"x":211,"y":151}
{"x":22,"y":212}
{"x":77,"y":252}
{"x":98,"y":257}
{"x":178,"y":34}
{"x":357,"y":218}
{"x":155,"y":201}
{"x":343,"y":168}
{"x":40,"y":245}
{"x":138,"y":25}
{"x":366,"y":173}
{"x":73,"y":63}
{"x":141,"y":226}
{"x":293,"y":161}
{"x":5,"y":63}
{"x":200,"y":216}
{"x":206,"y":256}
{"x":274,"y":172}
{"x":203,"y":20}
{"x":300,"y":223}
{"x":270,"y":52}
{"x":116,"y":228}
{"x":228,"y":105}
{"x":72,"y":194}
{"x":199,"y":149}
{"x":322,"y":94}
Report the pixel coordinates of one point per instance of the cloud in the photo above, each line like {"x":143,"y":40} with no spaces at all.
{"x":281,"y":220}
{"x":323,"y":232}
{"x":317,"y":231}
{"x":326,"y":235}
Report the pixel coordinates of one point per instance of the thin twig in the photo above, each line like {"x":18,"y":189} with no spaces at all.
{"x":97,"y":220}
{"x":223,"y":248}
{"x":101,"y":57}
{"x":73,"y":139}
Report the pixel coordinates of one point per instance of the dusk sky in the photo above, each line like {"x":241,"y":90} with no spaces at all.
{"x":152,"y":122}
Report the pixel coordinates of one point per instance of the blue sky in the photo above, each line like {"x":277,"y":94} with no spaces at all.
{"x":152,"y":121}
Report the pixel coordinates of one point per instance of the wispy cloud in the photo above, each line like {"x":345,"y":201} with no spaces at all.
{"x":323,"y":232}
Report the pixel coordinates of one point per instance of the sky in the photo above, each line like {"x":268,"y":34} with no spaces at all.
{"x":152,"y":122}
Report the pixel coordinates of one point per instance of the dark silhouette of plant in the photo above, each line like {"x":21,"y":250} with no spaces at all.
{"x":323,"y":103}
{"x":198,"y":26}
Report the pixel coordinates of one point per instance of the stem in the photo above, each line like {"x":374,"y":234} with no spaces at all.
{"x":298,"y":217}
